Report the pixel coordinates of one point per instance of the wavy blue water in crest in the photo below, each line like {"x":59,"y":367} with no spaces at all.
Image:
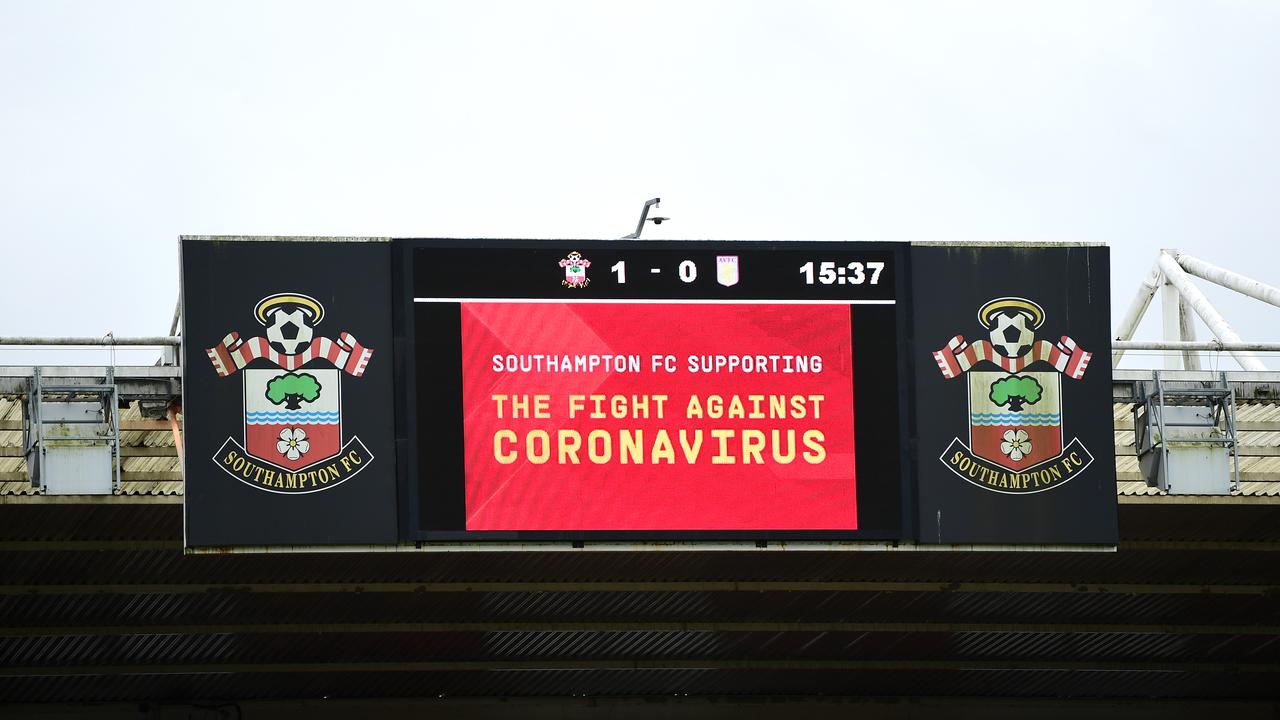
{"x":1015,"y":418}
{"x":269,"y":417}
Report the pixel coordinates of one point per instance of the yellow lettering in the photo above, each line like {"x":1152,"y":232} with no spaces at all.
{"x":691,"y":450}
{"x":715,"y":407}
{"x":813,"y":440}
{"x":568,"y":441}
{"x":722,"y":456}
{"x":752,"y":444}
{"x":537,"y":446}
{"x":629,"y":446}
{"x":736,"y":410}
{"x":604,"y":452}
{"x":694,"y":408}
{"x":662,"y":449}
{"x":500,"y":453}
{"x":780,"y":457}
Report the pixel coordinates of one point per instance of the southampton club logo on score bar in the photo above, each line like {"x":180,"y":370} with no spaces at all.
{"x":1015,"y":402}
{"x":575,"y":270}
{"x":292,"y":431}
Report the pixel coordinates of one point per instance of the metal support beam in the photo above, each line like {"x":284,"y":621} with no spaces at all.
{"x":1218,"y":325}
{"x":1230,"y":280}
{"x":91,"y":500}
{"x":17,"y":476}
{"x":121,"y":372}
{"x":175,"y":429}
{"x":69,"y":341}
{"x":1137,"y":308}
{"x":125,"y":425}
{"x":1199,"y":500}
{"x":1187,"y":333}
{"x":1169,"y":323}
{"x":1177,"y":327}
{"x":154,"y":384}
{"x":177,"y":316}
{"x":126,"y":451}
{"x":1244,"y":450}
{"x":1183,"y":346}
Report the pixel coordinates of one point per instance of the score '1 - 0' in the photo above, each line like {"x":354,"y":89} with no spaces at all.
{"x":687,"y":270}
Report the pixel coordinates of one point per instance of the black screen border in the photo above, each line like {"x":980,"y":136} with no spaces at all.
{"x":883,"y":493}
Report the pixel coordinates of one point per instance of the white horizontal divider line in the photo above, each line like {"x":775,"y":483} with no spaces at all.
{"x":651,"y":301}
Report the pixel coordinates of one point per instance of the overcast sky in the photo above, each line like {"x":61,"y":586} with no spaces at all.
{"x":125,"y":124}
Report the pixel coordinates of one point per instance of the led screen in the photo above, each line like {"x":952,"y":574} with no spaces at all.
{"x":658,"y":416}
{"x":590,"y":390}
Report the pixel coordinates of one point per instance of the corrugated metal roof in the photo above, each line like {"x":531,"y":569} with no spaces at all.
{"x":11,"y":410}
{"x":1260,"y":476}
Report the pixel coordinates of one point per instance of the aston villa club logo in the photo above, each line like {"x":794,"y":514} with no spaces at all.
{"x":293,"y":439}
{"x":1015,"y":402}
{"x":727,"y":270}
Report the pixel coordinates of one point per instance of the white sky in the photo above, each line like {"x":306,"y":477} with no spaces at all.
{"x":123,"y":125}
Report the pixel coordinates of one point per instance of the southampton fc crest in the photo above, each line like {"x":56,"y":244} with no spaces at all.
{"x":575,"y":270}
{"x":292,"y":439}
{"x":1015,"y":402}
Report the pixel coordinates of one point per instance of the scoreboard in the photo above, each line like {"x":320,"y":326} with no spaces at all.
{"x":636,"y":389}
{"x":418,"y":391}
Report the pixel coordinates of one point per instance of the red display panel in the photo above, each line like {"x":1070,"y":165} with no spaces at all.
{"x":658,"y":416}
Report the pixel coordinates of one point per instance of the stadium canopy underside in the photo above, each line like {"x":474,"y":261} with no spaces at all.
{"x":99,"y":603}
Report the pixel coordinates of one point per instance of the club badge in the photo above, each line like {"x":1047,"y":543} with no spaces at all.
{"x":1015,"y":402}
{"x":293,"y":438}
{"x":575,"y":270}
{"x":727,"y":270}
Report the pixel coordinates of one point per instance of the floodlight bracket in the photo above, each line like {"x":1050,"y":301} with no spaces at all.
{"x":644,"y":215}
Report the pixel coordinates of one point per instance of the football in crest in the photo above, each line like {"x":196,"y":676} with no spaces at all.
{"x":289,"y":332}
{"x":1012,"y":323}
{"x":1012,"y":333}
{"x":289,"y":319}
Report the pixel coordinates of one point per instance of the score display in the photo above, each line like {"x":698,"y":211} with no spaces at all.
{"x":458,"y":391}
{"x":620,"y":270}
{"x":632,"y":390}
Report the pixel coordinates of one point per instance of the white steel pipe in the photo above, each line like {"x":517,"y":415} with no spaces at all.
{"x":1137,"y":308}
{"x":177,"y":316}
{"x":1230,"y":280}
{"x":1195,"y":345}
{"x":157,"y":341}
{"x":1179,"y":325}
{"x":1170,"y":307}
{"x":1218,"y":325}
{"x":1187,"y":333}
